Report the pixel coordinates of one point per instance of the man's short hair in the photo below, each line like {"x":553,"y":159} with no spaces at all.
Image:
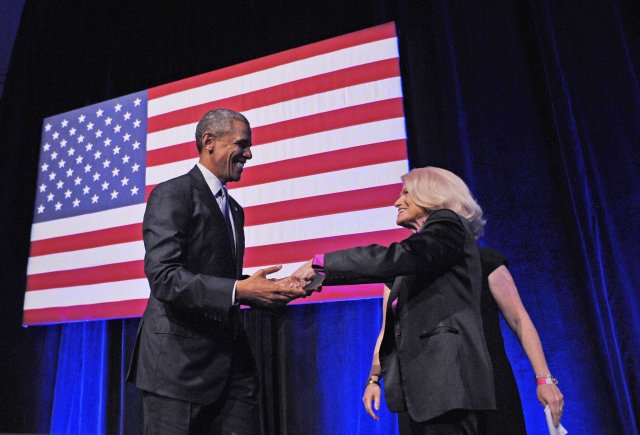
{"x":218,"y":122}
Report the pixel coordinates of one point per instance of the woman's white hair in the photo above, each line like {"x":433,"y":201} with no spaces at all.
{"x":435,"y":188}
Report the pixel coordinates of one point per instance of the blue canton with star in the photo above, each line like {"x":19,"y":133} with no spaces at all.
{"x":93,"y":159}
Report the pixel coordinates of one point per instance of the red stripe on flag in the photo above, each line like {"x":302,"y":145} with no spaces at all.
{"x":349,"y":116}
{"x":147,"y":191}
{"x":276,"y":94}
{"x":86,"y":275}
{"x":107,"y":310}
{"x":322,"y":205}
{"x":92,"y":239}
{"x":173,"y":153}
{"x":136,"y":307}
{"x":254,"y":256}
{"x":291,"y":252}
{"x":377,"y":33}
{"x":364,"y":155}
{"x":343,"y":293}
{"x":334,"y":119}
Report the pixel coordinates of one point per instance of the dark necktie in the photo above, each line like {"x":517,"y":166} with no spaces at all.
{"x":226,"y":212}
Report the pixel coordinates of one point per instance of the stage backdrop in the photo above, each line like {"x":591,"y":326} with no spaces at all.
{"x":536,"y":104}
{"x":329,"y":148}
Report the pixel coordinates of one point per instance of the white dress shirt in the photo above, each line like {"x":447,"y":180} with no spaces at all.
{"x":215,"y":185}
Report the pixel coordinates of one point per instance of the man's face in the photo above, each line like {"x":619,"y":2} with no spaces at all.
{"x":227,"y":155}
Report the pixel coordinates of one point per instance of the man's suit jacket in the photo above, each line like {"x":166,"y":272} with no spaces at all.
{"x":433,"y":355}
{"x":190,"y":330}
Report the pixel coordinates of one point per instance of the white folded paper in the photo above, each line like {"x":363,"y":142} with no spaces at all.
{"x":560,"y":430}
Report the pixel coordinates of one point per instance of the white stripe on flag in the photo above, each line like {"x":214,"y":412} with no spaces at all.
{"x":321,"y":184}
{"x":87,"y":294}
{"x":279,"y":232}
{"x":158,"y":174}
{"x":91,"y":257}
{"x":287,"y":269}
{"x":302,"y":146}
{"x":332,"y":140}
{"x":361,"y":221}
{"x":292,"y":109}
{"x":345,"y":58}
{"x":85,"y":223}
{"x":349,"y":96}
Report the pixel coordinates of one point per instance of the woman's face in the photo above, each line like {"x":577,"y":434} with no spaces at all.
{"x":410,"y":215}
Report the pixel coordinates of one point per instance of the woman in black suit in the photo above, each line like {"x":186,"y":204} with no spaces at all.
{"x":499,"y":294}
{"x":433,"y":355}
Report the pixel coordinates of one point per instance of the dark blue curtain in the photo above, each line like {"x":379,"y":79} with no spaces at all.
{"x":535,"y":104}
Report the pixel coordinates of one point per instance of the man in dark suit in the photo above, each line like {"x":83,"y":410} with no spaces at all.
{"x":433,"y":355}
{"x":192,"y":358}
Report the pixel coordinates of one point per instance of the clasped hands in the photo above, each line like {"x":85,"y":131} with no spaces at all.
{"x":309,"y":279}
{"x":260,"y":291}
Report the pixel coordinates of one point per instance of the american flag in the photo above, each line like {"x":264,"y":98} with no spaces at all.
{"x":329,"y":149}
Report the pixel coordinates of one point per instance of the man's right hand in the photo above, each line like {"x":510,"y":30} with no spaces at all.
{"x":260,"y":292}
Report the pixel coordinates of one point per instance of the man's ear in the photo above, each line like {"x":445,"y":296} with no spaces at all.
{"x":208,"y":142}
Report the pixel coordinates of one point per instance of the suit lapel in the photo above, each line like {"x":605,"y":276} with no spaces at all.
{"x":205,"y":196}
{"x":238,"y":224}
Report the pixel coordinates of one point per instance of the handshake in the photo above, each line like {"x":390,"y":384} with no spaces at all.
{"x":258,"y":291}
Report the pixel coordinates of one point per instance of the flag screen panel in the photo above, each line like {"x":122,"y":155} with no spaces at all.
{"x":329,"y":149}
